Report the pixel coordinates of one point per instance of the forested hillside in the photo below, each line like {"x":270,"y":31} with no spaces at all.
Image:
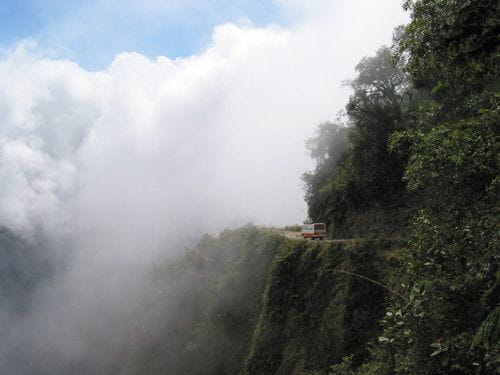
{"x":252,"y":301}
{"x":420,"y":161}
{"x":357,"y":186}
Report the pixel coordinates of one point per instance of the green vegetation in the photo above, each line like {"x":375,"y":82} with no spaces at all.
{"x":423,"y":141}
{"x":356,"y":174}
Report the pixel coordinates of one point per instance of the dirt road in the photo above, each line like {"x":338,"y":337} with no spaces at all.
{"x":297,"y":236}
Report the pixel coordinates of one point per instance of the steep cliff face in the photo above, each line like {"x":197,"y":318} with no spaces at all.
{"x":316,"y":309}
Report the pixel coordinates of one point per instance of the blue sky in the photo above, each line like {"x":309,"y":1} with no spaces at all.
{"x":92,"y":32}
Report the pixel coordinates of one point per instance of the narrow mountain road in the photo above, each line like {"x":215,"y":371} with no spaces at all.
{"x":297,"y":236}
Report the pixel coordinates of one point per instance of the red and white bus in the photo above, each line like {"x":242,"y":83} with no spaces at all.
{"x":315,"y":231}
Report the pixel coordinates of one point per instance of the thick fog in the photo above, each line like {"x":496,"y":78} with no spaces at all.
{"x":117,"y":168}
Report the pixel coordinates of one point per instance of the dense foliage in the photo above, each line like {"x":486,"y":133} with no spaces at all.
{"x":355,"y":170}
{"x":315,"y":310}
{"x":444,"y":134}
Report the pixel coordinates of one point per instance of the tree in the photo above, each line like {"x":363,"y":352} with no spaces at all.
{"x":354,"y":168}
